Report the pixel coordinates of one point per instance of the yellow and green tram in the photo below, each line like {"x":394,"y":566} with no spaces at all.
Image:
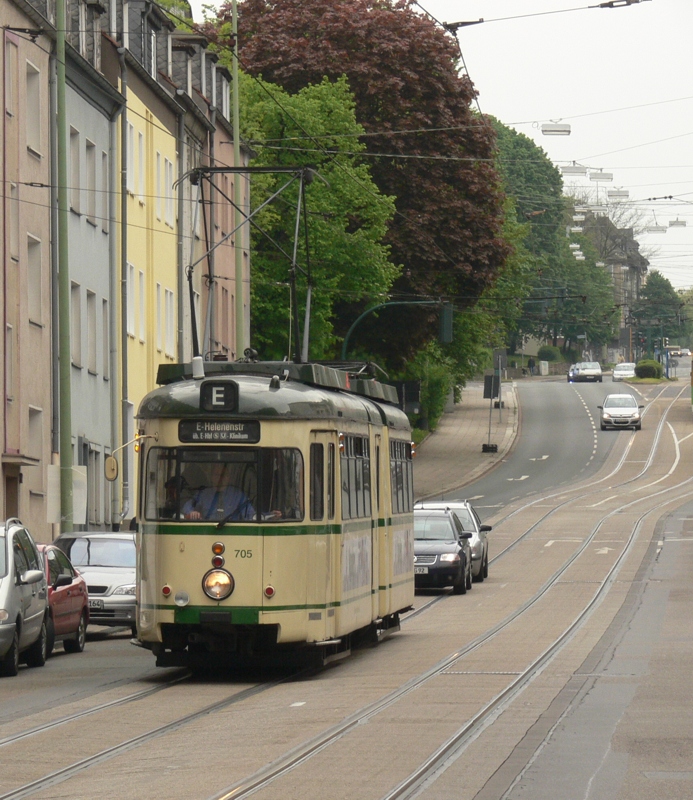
{"x":275,"y":512}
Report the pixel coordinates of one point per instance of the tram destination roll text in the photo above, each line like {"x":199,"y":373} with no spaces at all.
{"x":203,"y":430}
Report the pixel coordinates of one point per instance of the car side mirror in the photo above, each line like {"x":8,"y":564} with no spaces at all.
{"x":486,"y":528}
{"x":641,"y":406}
{"x":32,"y":576}
{"x":62,"y":580}
{"x":600,"y":406}
{"x":465,"y":535}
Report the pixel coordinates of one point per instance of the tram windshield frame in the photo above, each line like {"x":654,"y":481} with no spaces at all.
{"x":229,"y":485}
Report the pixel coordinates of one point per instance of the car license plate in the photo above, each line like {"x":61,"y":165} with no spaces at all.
{"x":420,"y":570}
{"x":97,"y":604}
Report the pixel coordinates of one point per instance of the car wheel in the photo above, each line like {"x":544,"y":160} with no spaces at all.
{"x":469,"y":576}
{"x":484,"y":571}
{"x":460,"y":585}
{"x":600,"y":380}
{"x":76,"y":645}
{"x":36,"y":654}
{"x":50,"y":636}
{"x":602,"y":426}
{"x":10,"y":663}
{"x":637,"y":427}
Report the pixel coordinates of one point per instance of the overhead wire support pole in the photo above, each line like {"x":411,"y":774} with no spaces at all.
{"x":292,"y":274}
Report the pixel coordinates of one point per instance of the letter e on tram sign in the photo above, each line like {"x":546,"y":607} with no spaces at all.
{"x":219,"y":396}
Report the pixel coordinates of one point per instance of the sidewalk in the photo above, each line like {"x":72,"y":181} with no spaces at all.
{"x":452,"y":455}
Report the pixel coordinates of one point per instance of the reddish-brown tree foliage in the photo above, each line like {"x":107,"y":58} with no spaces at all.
{"x":432,"y":152}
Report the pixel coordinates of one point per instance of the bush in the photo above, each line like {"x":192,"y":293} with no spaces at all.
{"x":549,"y":353}
{"x":648,"y":368}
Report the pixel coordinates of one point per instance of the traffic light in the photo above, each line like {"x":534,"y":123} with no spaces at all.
{"x":666,"y":341}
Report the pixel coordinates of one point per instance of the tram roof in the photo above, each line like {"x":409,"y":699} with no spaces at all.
{"x":271,"y":390}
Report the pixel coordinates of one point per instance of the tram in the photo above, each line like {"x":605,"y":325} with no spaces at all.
{"x":275,"y":512}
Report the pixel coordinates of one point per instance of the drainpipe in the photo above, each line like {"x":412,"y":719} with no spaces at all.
{"x":112,"y":308}
{"x":64,"y":287}
{"x":181,"y":254}
{"x":211,"y":295}
{"x":125,"y":505}
{"x":55,"y":333}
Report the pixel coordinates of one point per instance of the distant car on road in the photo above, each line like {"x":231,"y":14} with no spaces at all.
{"x":620,"y":411}
{"x":23,"y":600}
{"x":107,"y":562}
{"x":470,"y":522}
{"x":442,"y":555}
{"x":623,"y":371}
{"x":68,"y":601}
{"x":587,"y":371}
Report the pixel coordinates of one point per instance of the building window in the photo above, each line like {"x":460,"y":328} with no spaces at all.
{"x":34,"y":278}
{"x":35,"y":432}
{"x":105,"y":206}
{"x":140,"y":165}
{"x":158,"y":185}
{"x":158,"y":318}
{"x":143,"y":315}
{"x":130,"y":294}
{"x":168,"y":180}
{"x":91,"y":332}
{"x":33,"y":108}
{"x":9,"y":362}
{"x":14,"y":221}
{"x":82,"y":6}
{"x":170,"y":319}
{"x":225,"y":97}
{"x":105,"y":341}
{"x":76,"y":325}
{"x":75,"y":182}
{"x":11,"y":77}
{"x":224,"y":338}
{"x":130,"y":173}
{"x":91,"y":182}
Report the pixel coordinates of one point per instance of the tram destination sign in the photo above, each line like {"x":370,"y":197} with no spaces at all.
{"x":216,"y":430}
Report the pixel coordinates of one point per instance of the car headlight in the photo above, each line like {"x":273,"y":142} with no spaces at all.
{"x":218,"y":584}
{"x":127,"y":589}
{"x":606,"y":416}
{"x":453,"y":557}
{"x":3,"y":615}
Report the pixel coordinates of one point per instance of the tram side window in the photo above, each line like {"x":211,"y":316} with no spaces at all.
{"x":356,"y":477}
{"x":161,"y":495}
{"x":401,"y":477}
{"x":281,"y":485}
{"x":317,"y":481}
{"x":330,"y":481}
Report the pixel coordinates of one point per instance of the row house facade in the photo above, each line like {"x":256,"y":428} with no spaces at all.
{"x":146,"y":103}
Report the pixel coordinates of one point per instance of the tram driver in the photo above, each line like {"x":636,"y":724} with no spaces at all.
{"x":220,"y":500}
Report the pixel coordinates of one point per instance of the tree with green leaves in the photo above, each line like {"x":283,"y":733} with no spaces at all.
{"x":340,"y":244}
{"x":658,"y":310}
{"x":426,"y":147}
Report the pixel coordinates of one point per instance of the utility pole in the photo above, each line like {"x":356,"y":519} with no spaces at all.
{"x":65,"y":353}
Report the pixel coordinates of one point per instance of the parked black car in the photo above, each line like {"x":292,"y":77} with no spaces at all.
{"x":442,"y":555}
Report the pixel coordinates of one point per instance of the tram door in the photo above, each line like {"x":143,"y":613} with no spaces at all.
{"x":322,"y":466}
{"x":378,"y":534}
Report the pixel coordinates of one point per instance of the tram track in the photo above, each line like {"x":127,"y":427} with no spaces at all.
{"x":301,"y":755}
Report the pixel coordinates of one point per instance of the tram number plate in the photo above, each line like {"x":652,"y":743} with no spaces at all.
{"x":420,"y":570}
{"x":96,"y":604}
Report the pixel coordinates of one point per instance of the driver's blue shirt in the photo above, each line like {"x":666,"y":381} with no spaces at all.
{"x":227,"y":501}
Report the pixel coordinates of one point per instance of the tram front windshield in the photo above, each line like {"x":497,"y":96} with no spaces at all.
{"x":230,"y":484}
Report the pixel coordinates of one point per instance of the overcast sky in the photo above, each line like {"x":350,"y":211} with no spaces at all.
{"x":621,"y":77}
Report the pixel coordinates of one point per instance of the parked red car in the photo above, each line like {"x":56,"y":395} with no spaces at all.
{"x":68,"y":601}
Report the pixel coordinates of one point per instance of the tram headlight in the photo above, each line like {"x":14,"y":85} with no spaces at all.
{"x":218,"y":584}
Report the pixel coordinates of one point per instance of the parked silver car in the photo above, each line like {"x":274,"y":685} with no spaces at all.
{"x":470,"y":522}
{"x":107,"y":563}
{"x":23,"y":600}
{"x":620,"y":411}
